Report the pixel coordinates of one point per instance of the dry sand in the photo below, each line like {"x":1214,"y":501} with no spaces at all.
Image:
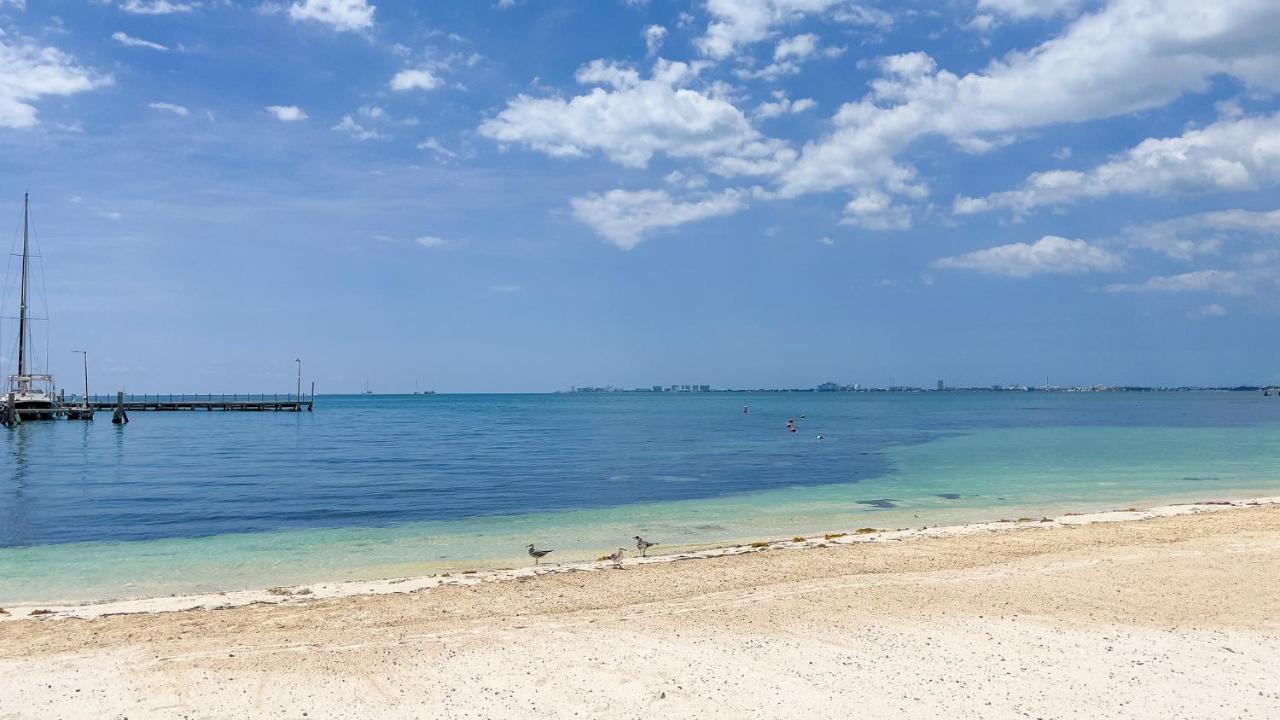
{"x":1176,"y":615}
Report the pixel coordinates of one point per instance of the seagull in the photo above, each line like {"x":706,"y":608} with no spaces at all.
{"x":537,"y":555}
{"x":643,"y":545}
{"x":819,"y":438}
{"x":616,"y":558}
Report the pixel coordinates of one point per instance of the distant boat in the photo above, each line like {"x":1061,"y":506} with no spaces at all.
{"x":32,"y":393}
{"x":367,"y":391}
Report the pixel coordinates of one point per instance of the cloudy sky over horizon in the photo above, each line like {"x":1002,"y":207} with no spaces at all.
{"x":532,"y":194}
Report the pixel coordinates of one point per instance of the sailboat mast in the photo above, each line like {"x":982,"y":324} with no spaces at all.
{"x":22,"y":304}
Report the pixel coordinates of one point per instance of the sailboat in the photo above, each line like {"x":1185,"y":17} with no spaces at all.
{"x":30,"y":395}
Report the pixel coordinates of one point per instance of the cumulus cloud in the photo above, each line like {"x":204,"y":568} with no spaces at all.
{"x":29,"y":72}
{"x":788,"y":55}
{"x":653,"y":37}
{"x":349,"y":126}
{"x":623,"y":217}
{"x":1128,"y":56}
{"x":1233,"y":154}
{"x":1048,"y":255}
{"x":345,"y":15}
{"x":178,"y":110}
{"x":287,"y":113}
{"x":782,"y":105}
{"x":735,"y":23}
{"x":130,"y":41}
{"x":629,"y":119}
{"x":415,"y":79}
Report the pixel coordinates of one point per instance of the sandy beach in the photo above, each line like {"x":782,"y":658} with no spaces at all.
{"x":1173,"y":612}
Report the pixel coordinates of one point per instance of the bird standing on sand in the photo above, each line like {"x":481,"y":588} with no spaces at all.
{"x":616,"y":558}
{"x":537,"y":555}
{"x":643,"y":545}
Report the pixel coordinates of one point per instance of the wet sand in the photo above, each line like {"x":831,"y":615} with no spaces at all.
{"x":1173,"y":615}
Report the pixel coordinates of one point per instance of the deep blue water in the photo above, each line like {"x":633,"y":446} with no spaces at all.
{"x":377,"y":460}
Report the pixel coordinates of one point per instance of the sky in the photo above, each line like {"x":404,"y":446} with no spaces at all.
{"x":525,"y":195}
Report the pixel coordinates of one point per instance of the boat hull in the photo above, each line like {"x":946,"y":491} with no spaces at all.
{"x":36,"y":411}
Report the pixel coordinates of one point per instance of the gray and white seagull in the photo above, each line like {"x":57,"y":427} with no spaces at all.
{"x":537,"y":555}
{"x":643,"y":545}
{"x":616,"y":557}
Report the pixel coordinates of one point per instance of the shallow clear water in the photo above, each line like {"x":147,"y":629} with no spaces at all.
{"x":380,"y":486}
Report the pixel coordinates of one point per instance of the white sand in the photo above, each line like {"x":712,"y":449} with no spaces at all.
{"x":1174,"y":615}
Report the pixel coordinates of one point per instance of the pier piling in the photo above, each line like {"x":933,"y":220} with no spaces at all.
{"x":119,"y":417}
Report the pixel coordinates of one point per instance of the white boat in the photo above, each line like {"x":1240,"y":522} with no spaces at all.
{"x":30,"y":396}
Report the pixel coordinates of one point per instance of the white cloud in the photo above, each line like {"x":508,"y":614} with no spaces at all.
{"x":1192,"y":236}
{"x":178,"y":110}
{"x":1211,"y":310}
{"x":505,"y":289}
{"x":129,"y":41}
{"x":1225,"y":282}
{"x":875,"y":210}
{"x":1023,"y":9}
{"x":431,"y":241}
{"x":741,"y":22}
{"x":1227,"y":155}
{"x":1048,"y":255}
{"x":436,"y":147}
{"x":415,"y":79}
{"x":1131,"y":55}
{"x":863,"y":15}
{"x":349,"y":15}
{"x":29,"y":72}
{"x":630,"y":119}
{"x":788,"y":55}
{"x":287,"y":113}
{"x":782,"y":105}
{"x":349,"y":126}
{"x":653,"y":37}
{"x":826,"y":240}
{"x":623,"y":217}
{"x":157,"y":7}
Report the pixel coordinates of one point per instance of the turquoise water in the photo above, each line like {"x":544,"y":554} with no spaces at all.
{"x":370,"y":487}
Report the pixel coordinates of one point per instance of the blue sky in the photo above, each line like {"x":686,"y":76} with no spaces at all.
{"x":504,"y":196}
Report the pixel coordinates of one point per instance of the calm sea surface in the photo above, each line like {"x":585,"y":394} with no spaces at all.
{"x":378,"y":486}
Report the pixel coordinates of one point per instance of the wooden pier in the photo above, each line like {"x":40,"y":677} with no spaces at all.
{"x":259,"y":402}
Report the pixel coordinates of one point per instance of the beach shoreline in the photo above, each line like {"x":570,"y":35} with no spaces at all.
{"x":320,"y":590}
{"x":1167,"y":612}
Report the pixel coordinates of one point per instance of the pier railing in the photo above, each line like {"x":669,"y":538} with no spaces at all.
{"x":192,"y":397}
{"x":288,"y":402}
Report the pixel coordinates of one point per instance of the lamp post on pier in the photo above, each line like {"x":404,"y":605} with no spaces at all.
{"x":85,"y":353}
{"x":299,"y":361}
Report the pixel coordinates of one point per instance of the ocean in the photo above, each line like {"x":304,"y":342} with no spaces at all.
{"x":384,"y":486}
